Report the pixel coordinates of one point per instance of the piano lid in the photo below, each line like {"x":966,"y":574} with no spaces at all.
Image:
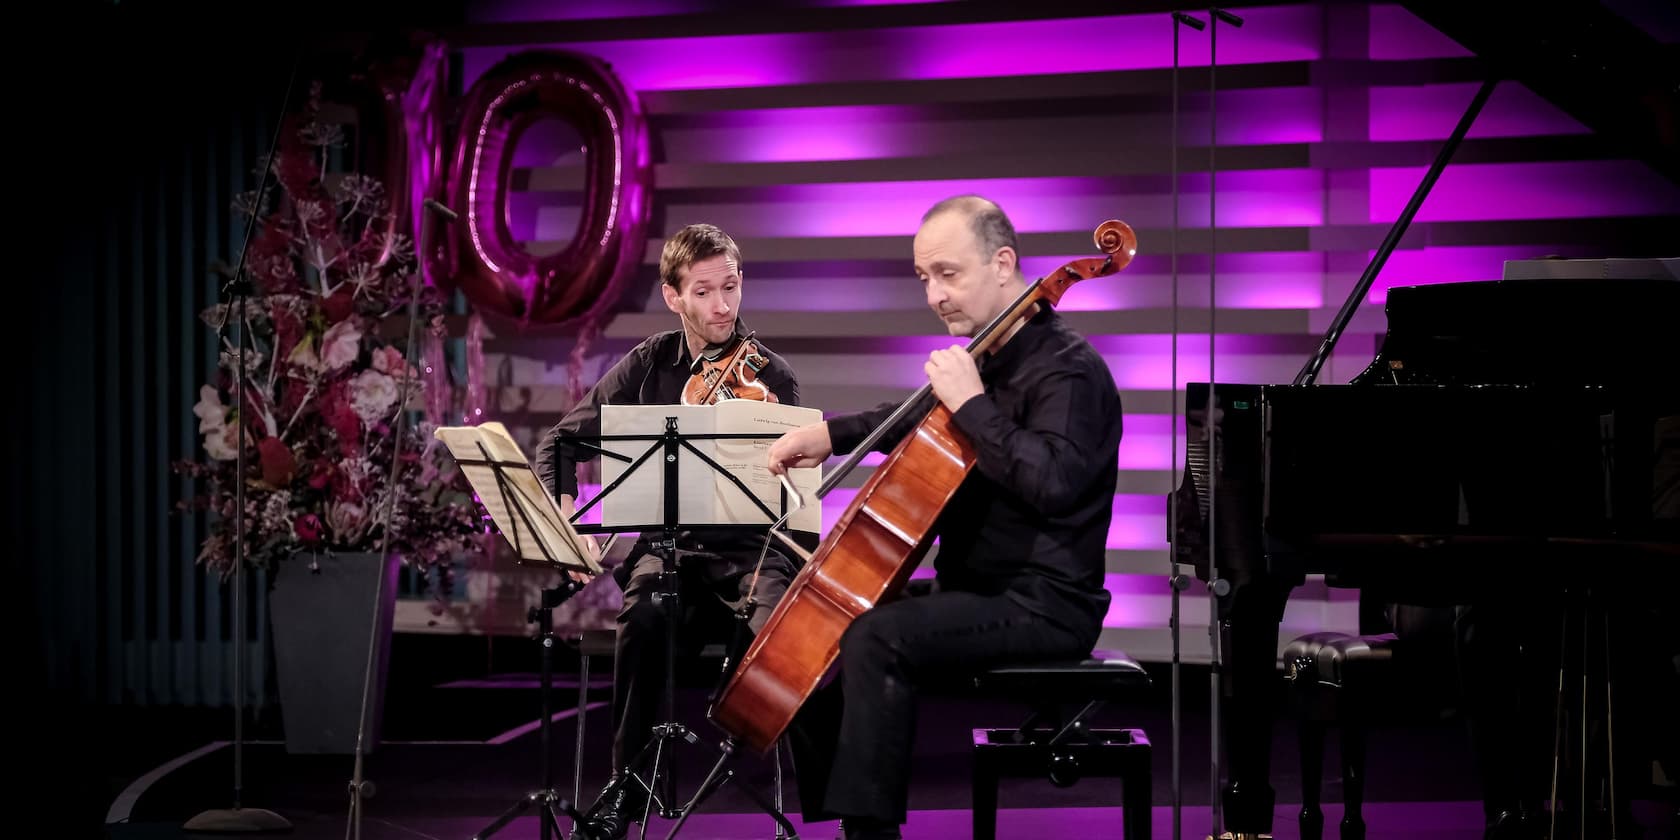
{"x":1611,"y":269}
{"x":1595,"y":64}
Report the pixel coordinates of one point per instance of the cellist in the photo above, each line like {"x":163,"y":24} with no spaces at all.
{"x":701,"y":281}
{"x":1021,"y":544}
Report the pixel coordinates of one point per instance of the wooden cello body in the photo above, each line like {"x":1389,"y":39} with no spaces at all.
{"x":880,"y":538}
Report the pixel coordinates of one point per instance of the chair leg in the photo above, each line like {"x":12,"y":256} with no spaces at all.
{"x":1312,"y":776}
{"x":1353,"y":777}
{"x":985,"y":783}
{"x":1136,"y":798}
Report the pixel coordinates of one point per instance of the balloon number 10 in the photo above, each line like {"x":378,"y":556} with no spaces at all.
{"x":478,"y":254}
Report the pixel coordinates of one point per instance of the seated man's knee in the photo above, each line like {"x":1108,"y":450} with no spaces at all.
{"x":869,"y":634}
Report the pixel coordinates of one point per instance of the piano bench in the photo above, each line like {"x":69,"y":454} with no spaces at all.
{"x":1328,"y":674}
{"x":1067,"y":750}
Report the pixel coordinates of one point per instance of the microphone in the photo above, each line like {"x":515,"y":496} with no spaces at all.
{"x":1227,"y":17}
{"x":1195,"y":23}
{"x":435,"y":206}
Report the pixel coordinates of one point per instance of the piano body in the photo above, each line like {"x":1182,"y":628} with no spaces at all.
{"x":1510,"y":437}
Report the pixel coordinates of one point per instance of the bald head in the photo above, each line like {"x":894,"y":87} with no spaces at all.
{"x":966,"y":260}
{"x":990,"y":225}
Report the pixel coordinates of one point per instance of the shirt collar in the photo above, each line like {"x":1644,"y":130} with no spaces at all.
{"x":682,"y":359}
{"x":1016,"y":347}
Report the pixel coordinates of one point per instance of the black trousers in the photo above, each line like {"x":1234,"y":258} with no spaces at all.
{"x":853,"y":739}
{"x":711,"y":589}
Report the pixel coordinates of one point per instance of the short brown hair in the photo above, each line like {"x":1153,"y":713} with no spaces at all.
{"x":689,"y":246}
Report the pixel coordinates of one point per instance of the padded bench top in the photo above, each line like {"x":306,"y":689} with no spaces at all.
{"x":1103,"y":673}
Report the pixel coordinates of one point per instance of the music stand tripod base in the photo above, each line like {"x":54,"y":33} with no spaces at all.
{"x":550,"y":803}
{"x":716,"y":779}
{"x":237,"y":821}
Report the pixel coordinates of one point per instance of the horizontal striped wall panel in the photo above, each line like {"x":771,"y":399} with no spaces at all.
{"x":819,"y":145}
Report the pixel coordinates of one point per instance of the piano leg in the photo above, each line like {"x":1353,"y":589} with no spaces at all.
{"x":1507,"y":671}
{"x":1251,"y":618}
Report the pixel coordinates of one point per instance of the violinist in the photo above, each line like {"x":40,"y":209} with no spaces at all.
{"x":1019,"y":569}
{"x":709,"y":357}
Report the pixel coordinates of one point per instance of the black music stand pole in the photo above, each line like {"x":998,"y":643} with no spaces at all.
{"x":1176,"y":580}
{"x":545,"y":798}
{"x":669,"y":599}
{"x":718,"y":776}
{"x":661,"y":782}
{"x":1219,"y":588}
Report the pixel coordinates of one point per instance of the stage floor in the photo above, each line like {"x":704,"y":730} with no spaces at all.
{"x":459,"y":752}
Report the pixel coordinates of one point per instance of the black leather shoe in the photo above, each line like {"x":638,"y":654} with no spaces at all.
{"x":614,"y":812}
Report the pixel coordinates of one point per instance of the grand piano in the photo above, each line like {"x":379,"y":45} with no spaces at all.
{"x":1511,"y":439}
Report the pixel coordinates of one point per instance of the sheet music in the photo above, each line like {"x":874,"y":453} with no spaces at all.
{"x":527,"y":516}
{"x":706,"y":497}
{"x":746,"y":459}
{"x":640,"y":500}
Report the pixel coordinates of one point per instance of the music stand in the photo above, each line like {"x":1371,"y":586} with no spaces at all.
{"x":540,"y":535}
{"x":672,"y":445}
{"x":716,"y":779}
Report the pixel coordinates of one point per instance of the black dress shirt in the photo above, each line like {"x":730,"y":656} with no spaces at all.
{"x":1032,"y":518}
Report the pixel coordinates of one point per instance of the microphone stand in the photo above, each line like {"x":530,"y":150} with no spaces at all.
{"x":360,"y":787}
{"x":1219,"y":587}
{"x":1177,"y":581}
{"x":240,"y":819}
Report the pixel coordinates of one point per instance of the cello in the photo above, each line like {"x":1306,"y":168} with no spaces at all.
{"x":882,"y":535}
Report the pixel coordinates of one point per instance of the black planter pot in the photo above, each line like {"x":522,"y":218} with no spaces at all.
{"x":322,"y":608}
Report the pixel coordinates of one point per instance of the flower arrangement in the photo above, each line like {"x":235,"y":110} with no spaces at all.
{"x":328,"y":270}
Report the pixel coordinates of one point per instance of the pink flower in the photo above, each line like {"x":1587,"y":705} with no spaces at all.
{"x":348,"y":520}
{"x":308,"y":528}
{"x":340,"y":346}
{"x":371,"y":395}
{"x":212,"y":414}
{"x":389,"y":361}
{"x":222,"y":443}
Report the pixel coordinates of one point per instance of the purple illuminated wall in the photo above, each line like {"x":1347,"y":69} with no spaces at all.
{"x":820,"y":146}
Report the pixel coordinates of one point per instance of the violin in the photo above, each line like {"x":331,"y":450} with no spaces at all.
{"x":729,"y":372}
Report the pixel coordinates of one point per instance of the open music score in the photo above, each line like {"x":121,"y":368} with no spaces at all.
{"x":508,"y":489}
{"x":707,"y":497}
